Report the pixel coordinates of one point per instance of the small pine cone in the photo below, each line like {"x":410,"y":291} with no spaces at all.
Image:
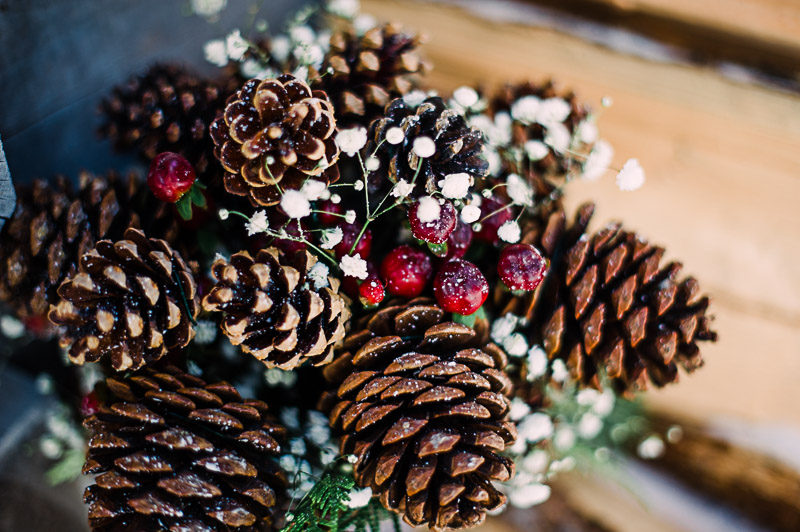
{"x":608,"y":305}
{"x":165,"y":109}
{"x":369,"y":71}
{"x":132,"y":300}
{"x":458,"y":148}
{"x":174,"y":453}
{"x":423,"y":407}
{"x":275,"y":134}
{"x":273,"y":311}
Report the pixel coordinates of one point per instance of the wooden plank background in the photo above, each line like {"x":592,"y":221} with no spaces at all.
{"x":723,"y":181}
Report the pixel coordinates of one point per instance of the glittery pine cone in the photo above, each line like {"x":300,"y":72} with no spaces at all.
{"x":277,"y":309}
{"x":368,"y":71}
{"x":274,"y":135}
{"x":174,"y":453}
{"x":423,"y":408}
{"x":609,"y":306}
{"x":165,"y":109}
{"x":131,"y":302}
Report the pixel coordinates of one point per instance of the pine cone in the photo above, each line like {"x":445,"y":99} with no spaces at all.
{"x":369,"y":71}
{"x":174,"y":453}
{"x":422,"y":406}
{"x":275,"y":134}
{"x":132,"y":301}
{"x":274,"y":312}
{"x":458,"y":148}
{"x":165,"y":109}
{"x":607,"y":305}
{"x":53,"y":226}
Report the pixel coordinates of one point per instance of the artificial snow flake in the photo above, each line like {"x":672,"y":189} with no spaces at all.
{"x":208,"y":8}
{"x":372,"y":164}
{"x":235,"y":45}
{"x":529,"y":495}
{"x":650,"y":448}
{"x":424,"y":147}
{"x":470,"y":213}
{"x":466,"y":97}
{"x":558,"y":137}
{"x":352,"y":140}
{"x":314,"y":190}
{"x":598,"y":161}
{"x":535,"y":427}
{"x":631,"y":177}
{"x":552,"y":111}
{"x":536,"y":150}
{"x":350,"y":216}
{"x":519,"y":190}
{"x":402,"y":189}
{"x":537,"y":362}
{"x":359,"y":497}
{"x":526,"y":109}
{"x":429,"y":209}
{"x":456,"y":186}
{"x":510,"y":232}
{"x":344,"y":8}
{"x":295,"y":204}
{"x":257,"y":223}
{"x":395,"y":135}
{"x":215,"y":52}
{"x":354,"y":266}
{"x":331,"y":237}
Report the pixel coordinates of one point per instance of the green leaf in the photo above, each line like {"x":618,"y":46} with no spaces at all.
{"x":470,"y":319}
{"x":184,"y":206}
{"x":440,"y":250}
{"x":197,"y":196}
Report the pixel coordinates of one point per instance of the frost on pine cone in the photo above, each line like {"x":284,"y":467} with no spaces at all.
{"x":274,"y":135}
{"x":165,"y":109}
{"x":422,"y":405}
{"x":54,"y":225}
{"x":131,"y":302}
{"x":368,"y":71}
{"x":608,"y":304}
{"x":458,"y":148}
{"x":275,"y":310}
{"x":174,"y":453}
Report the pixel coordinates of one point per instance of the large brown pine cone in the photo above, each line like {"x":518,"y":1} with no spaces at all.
{"x":174,"y":453}
{"x":368,"y":71}
{"x":165,"y":109}
{"x":132,"y":301}
{"x":459,"y":148}
{"x":274,"y":135}
{"x":608,"y":305}
{"x":275,"y":310}
{"x":54,"y":225}
{"x":423,"y":407}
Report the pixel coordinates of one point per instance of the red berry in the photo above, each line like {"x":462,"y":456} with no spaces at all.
{"x":371,"y":291}
{"x":490,"y":225}
{"x":329,"y":211}
{"x":460,"y":287}
{"x":521,"y":267}
{"x":89,"y":405}
{"x":286,"y":244}
{"x":170,"y":176}
{"x":459,"y":240}
{"x":352,"y":285}
{"x":406,"y":271}
{"x":349,"y":234}
{"x":436,"y":231}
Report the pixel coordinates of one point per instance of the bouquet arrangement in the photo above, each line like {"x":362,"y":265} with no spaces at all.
{"x":339,"y":297}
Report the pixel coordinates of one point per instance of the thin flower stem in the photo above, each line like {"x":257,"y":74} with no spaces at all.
{"x":501,"y":209}
{"x":366,"y":187}
{"x":360,"y":234}
{"x":329,"y":213}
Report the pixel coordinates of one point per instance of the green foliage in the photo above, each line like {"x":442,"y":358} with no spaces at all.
{"x":68,"y":468}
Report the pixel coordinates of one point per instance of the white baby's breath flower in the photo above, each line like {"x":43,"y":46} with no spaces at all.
{"x":503,"y":327}
{"x":395,"y":135}
{"x":205,"y":332}
{"x":280,"y":47}
{"x":208,"y":8}
{"x":429,"y":209}
{"x":519,"y":190}
{"x":558,"y":137}
{"x":535,"y":427}
{"x":309,"y":54}
{"x":354,"y":266}
{"x":494,"y":160}
{"x":11,"y":327}
{"x":350,"y":216}
{"x":589,"y":426}
{"x":598,"y":161}
{"x":587,"y":397}
{"x":318,"y":275}
{"x":252,"y":69}
{"x":301,"y":72}
{"x":51,"y":448}
{"x":564,"y":439}
{"x":526,"y":109}
{"x":235,"y":45}
{"x":509,"y":232}
{"x":607,"y":101}
{"x":456,"y":186}
{"x":257,"y":223}
{"x":559,"y":370}
{"x":515,"y":344}
{"x":352,"y":140}
{"x":372,"y":164}
{"x":424,"y":147}
{"x":587,"y":131}
{"x":604,"y":404}
{"x":552,"y":111}
{"x":295,"y":204}
{"x":536,"y":462}
{"x":330,"y":238}
{"x":536,"y":150}
{"x":363,"y":23}
{"x":466,"y":97}
{"x":302,"y":33}
{"x":215,"y":52}
{"x":536,"y":363}
{"x":344,"y":8}
{"x":519,"y":409}
{"x":359,"y":497}
{"x":358,"y":185}
{"x":415,"y":97}
{"x":529,"y":495}
{"x":470,"y":213}
{"x":314,"y":190}
{"x":650,"y":448}
{"x":402,"y":189}
{"x":631,"y":177}
{"x":336,"y":199}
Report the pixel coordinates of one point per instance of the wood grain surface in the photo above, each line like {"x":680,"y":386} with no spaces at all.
{"x":723,"y":181}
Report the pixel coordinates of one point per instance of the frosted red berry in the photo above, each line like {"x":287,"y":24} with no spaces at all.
{"x":521,"y":267}
{"x":349,"y":234}
{"x":459,"y":240}
{"x":460,"y":287}
{"x":329,"y":212}
{"x":170,"y":176}
{"x":89,"y":404}
{"x":406,"y":271}
{"x":371,"y":292}
{"x":437,"y":230}
{"x":490,"y":225}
